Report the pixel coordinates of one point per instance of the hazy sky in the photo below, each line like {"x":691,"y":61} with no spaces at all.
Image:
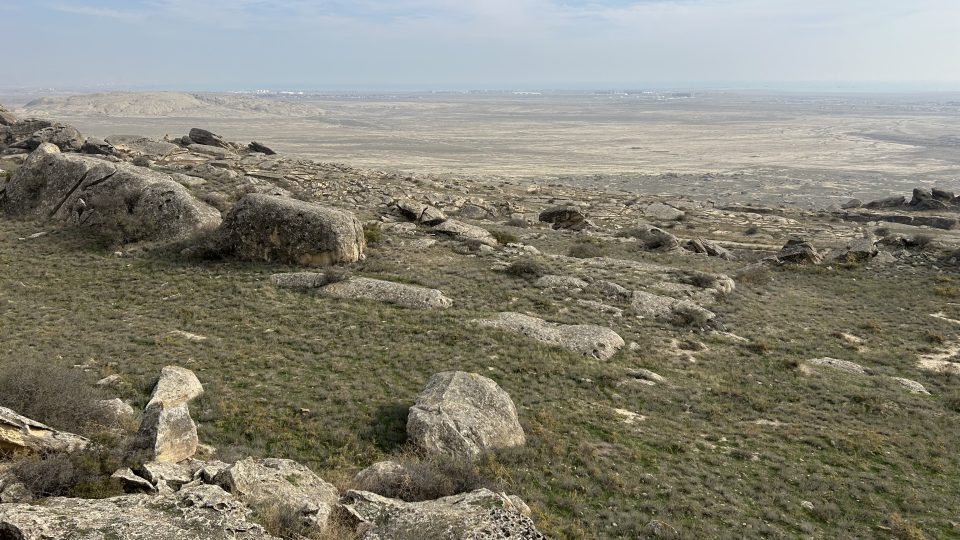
{"x":434,"y":44}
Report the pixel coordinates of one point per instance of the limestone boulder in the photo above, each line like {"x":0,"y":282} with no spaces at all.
{"x":419,"y":212}
{"x":709,"y":248}
{"x":133,"y":202}
{"x":797,"y":251}
{"x":21,"y":435}
{"x":7,"y":118}
{"x":648,"y":305}
{"x":268,"y":483}
{"x":480,"y":514}
{"x":64,"y":137}
{"x":401,"y":294}
{"x":653,"y":238}
{"x":208,"y":138}
{"x":136,"y":145}
{"x":167,"y":432}
{"x":463,"y":414}
{"x":201,"y":512}
{"x":278,"y":229}
{"x":662,"y":212}
{"x":587,"y":339}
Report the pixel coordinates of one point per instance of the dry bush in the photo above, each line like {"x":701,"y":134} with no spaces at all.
{"x":64,"y":398}
{"x":504,"y":237}
{"x":690,"y":316}
{"x":920,"y":241}
{"x":429,"y":477}
{"x":527,"y":269}
{"x":335,"y":274}
{"x":904,"y":530}
{"x":586,"y":250}
{"x":84,"y":473}
{"x":287,"y":522}
{"x":373,"y":233}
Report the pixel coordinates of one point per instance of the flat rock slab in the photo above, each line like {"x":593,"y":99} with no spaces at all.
{"x":201,"y":512}
{"x":465,"y":232}
{"x":480,"y":514}
{"x":842,"y":365}
{"x":20,"y":434}
{"x":586,"y":339}
{"x":409,"y":296}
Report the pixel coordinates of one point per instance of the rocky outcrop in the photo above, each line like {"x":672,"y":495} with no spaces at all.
{"x":21,"y":129}
{"x":7,"y":118}
{"x":269,"y":483}
{"x":261,"y":148}
{"x":409,"y":296}
{"x":135,"y":145}
{"x":136,"y":203}
{"x":459,"y":230}
{"x":21,"y":435}
{"x":889,"y":202}
{"x":480,"y":514}
{"x":589,"y":340}
{"x":201,"y":512}
{"x":463,"y":414}
{"x":565,"y":217}
{"x":167,"y":432}
{"x":270,"y":228}
{"x":95,"y":146}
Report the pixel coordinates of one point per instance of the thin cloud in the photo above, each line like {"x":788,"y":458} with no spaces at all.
{"x":97,"y":11}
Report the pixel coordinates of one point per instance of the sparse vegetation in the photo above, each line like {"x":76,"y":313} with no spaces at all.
{"x":527,"y":269}
{"x":586,"y":250}
{"x":503,"y":237}
{"x":373,"y":233}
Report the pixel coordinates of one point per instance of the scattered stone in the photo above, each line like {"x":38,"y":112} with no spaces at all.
{"x":202,"y":512}
{"x":654,"y":306}
{"x":709,"y":248}
{"x":277,"y":229}
{"x":21,"y":435}
{"x":655,"y":239}
{"x":561,"y":282}
{"x":419,"y":212}
{"x":463,"y":414}
{"x":480,"y":514}
{"x":797,"y":251}
{"x":807,"y":505}
{"x":196,"y":338}
{"x":268,"y":483}
{"x":109,"y":380}
{"x":843,"y":365}
{"x":263,"y":149}
{"x":662,"y":212}
{"x":204,"y":137}
{"x":913,"y":386}
{"x":401,"y":294}
{"x":589,"y":340}
{"x":645,"y":375}
{"x":565,"y":217}
{"x":464,"y":232}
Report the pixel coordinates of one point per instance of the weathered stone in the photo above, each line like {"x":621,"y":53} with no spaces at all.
{"x":118,"y":411}
{"x":22,"y":129}
{"x":167,"y":431}
{"x":464,"y":232}
{"x":859,"y":250}
{"x":889,"y":202}
{"x":133,"y":202}
{"x":204,"y":137}
{"x":263,"y":149}
{"x":201,"y":512}
{"x":463,"y":414}
{"x":480,"y":514}
{"x":7,"y":118}
{"x":214,"y":151}
{"x":797,"y":251}
{"x":710,"y":248}
{"x":913,"y":386}
{"x":662,"y":212}
{"x":654,"y":306}
{"x":851,"y":204}
{"x":19,"y":434}
{"x":942,"y":195}
{"x":842,"y":365}
{"x":299,"y":280}
{"x":561,"y":282}
{"x":383,"y":478}
{"x":173,"y":475}
{"x":141,"y":146}
{"x":655,"y":239}
{"x":586,"y":339}
{"x":268,"y":483}
{"x":401,"y":294}
{"x":473,"y":211}
{"x":565,"y":217}
{"x":133,"y":483}
{"x":419,"y":212}
{"x":93,"y":145}
{"x":268,"y":228}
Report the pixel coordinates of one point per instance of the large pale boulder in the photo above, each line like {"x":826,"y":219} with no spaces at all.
{"x":80,"y":190}
{"x":586,"y":339}
{"x":201,"y":512}
{"x":269,"y":228}
{"x":463,"y":414}
{"x":480,"y":514}
{"x":21,"y":435}
{"x":269,"y":483}
{"x":167,"y":431}
{"x":419,"y":212}
{"x":409,"y":296}
{"x":655,"y":239}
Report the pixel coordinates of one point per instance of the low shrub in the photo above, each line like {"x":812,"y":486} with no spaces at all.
{"x":429,"y":477}
{"x":373,"y":233}
{"x":527,"y":269}
{"x":586,"y":250}
{"x":504,"y":237}
{"x":84,"y":474}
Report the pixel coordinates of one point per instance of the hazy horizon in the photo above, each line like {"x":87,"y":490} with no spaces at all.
{"x":445,"y":45}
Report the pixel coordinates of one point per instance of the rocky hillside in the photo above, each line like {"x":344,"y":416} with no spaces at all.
{"x":416,"y":356}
